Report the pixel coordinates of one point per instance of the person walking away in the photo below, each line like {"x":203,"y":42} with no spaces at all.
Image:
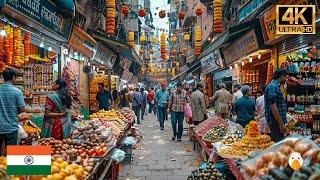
{"x":11,"y":104}
{"x":57,"y":118}
{"x":103,"y":97}
{"x":151,"y":99}
{"x":144,"y":102}
{"x":115,"y":96}
{"x":124,"y":99}
{"x":162,"y":97}
{"x":199,"y":110}
{"x":137,"y":104}
{"x":260,"y":111}
{"x":245,"y":107}
{"x":275,"y":106}
{"x":177,"y":101}
{"x":237,"y":94}
{"x":222,"y":100}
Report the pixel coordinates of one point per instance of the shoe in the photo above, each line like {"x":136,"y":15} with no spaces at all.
{"x":179,"y":139}
{"x":162,"y":129}
{"x":173,"y":138}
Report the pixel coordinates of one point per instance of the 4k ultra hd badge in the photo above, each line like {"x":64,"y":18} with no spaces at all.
{"x":296,"y":19}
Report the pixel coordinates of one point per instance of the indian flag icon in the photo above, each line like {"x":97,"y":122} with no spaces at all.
{"x":29,"y":160}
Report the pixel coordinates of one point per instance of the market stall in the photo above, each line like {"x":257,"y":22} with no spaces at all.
{"x":89,"y":153}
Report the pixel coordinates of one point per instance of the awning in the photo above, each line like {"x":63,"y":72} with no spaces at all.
{"x":192,"y":68}
{"x":125,"y":50}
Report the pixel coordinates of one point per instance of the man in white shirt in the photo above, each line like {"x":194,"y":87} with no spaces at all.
{"x":237,"y":93}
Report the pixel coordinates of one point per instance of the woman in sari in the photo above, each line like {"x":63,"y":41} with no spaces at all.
{"x":57,"y":119}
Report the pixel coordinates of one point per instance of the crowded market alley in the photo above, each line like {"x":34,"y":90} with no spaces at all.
{"x":157,"y":157}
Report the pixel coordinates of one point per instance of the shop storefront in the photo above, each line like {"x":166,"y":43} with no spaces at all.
{"x":222,"y":76}
{"x":249,"y":58}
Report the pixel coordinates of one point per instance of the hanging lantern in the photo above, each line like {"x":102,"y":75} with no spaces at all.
{"x":111,"y":14}
{"x":142,"y":38}
{"x":162,"y":14}
{"x":125,"y":10}
{"x":199,"y":11}
{"x":141,"y":12}
{"x":151,"y":51}
{"x":198,"y":41}
{"x":131,"y":39}
{"x":181,"y":15}
{"x":186,"y":37}
{"x":154,"y":39}
{"x":173,"y":52}
{"x":173,"y":39}
{"x":217,"y":16}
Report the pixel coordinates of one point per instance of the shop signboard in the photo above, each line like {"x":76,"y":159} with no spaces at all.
{"x":250,"y":8}
{"x":247,"y":44}
{"x":103,"y":54}
{"x":42,"y":12}
{"x":211,"y":62}
{"x":184,"y":68}
{"x":222,"y":74}
{"x":82,"y":42}
{"x":268,"y":25}
{"x":125,"y":63}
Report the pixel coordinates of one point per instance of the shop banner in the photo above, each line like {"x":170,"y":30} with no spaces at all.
{"x":42,"y":12}
{"x":247,"y":44}
{"x":250,"y":8}
{"x":211,"y":62}
{"x":103,"y":54}
{"x":126,"y":75}
{"x":125,"y":63}
{"x":222,"y":74}
{"x":82,"y":42}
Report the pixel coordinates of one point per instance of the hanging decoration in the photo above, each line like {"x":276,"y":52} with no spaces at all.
{"x":173,"y":39}
{"x":217,"y":16}
{"x":186,"y":37}
{"x":173,"y":52}
{"x":141,"y":12}
{"x":142,"y":38}
{"x":199,"y":11}
{"x":163,"y":50}
{"x":197,"y":41}
{"x":111,"y":14}
{"x":151,"y":51}
{"x":162,"y":14}
{"x":181,"y":15}
{"x":125,"y":10}
{"x":154,"y":39}
{"x":173,"y":72}
{"x":131,"y":39}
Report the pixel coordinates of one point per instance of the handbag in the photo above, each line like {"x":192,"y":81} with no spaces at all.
{"x":187,"y":110}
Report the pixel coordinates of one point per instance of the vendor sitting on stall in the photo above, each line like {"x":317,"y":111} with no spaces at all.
{"x":57,"y":119}
{"x":245,"y":107}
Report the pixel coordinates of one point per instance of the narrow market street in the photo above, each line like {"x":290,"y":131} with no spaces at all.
{"x":158,"y":157}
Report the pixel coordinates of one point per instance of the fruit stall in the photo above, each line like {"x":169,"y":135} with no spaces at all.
{"x":88,"y":152}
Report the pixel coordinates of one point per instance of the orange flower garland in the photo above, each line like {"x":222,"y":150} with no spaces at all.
{"x":125,"y":10}
{"x":141,"y":12}
{"x":217,"y":16}
{"x":197,"y":41}
{"x":111,"y":14}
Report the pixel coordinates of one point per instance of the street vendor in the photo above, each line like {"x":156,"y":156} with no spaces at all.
{"x":57,"y":118}
{"x":275,"y":105}
{"x":11,"y":104}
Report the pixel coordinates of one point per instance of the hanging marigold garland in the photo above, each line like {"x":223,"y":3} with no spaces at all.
{"x":125,"y":10}
{"x":217,"y":16}
{"x":163,"y":50}
{"x":131,"y":39}
{"x":186,"y":37}
{"x":197,"y":41}
{"x":111,"y":14}
{"x":173,"y":39}
{"x":143,"y":38}
{"x":154,"y":39}
{"x":141,"y":12}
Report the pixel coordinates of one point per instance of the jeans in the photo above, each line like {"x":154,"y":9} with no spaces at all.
{"x":136,"y":110}
{"x":8,"y":139}
{"x":143,"y":111}
{"x":162,"y":113}
{"x":275,"y":132}
{"x":151,"y":107}
{"x":177,"y":117}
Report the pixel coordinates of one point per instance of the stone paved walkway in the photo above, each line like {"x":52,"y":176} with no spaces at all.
{"x":158,"y":157}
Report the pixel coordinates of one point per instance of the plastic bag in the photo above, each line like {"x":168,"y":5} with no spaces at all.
{"x":21,"y":133}
{"x":129,"y":141}
{"x":117,"y":155}
{"x":188,"y":111}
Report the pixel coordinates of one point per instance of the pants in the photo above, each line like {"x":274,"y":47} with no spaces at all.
{"x":143,"y":110}
{"x":8,"y":139}
{"x":162,"y":114}
{"x":136,"y":110}
{"x":177,"y":117}
{"x":151,"y":108}
{"x":275,"y":134}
